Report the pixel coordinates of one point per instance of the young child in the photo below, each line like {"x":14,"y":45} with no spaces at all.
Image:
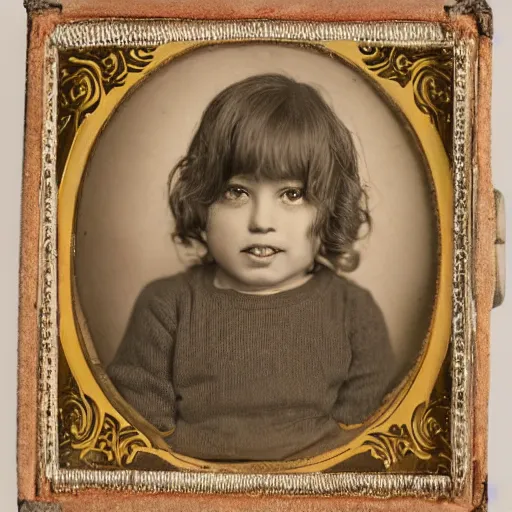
{"x":263,"y":350}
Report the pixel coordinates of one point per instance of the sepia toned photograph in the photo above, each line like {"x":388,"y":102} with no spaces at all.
{"x":256,"y":253}
{"x":260,"y":247}
{"x":258,"y":259}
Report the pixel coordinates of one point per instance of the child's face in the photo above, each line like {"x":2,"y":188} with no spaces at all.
{"x":260,"y":234}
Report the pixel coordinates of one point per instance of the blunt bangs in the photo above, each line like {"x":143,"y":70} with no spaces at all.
{"x":280,"y":142}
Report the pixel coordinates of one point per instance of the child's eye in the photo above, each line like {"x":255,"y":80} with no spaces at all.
{"x":235,"y":193}
{"x":293,"y":195}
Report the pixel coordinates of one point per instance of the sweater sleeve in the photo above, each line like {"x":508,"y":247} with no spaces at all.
{"x":141,"y":369}
{"x":372,"y":362}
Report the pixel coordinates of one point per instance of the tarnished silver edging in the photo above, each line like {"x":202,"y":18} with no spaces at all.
{"x":157,"y":32}
{"x":462,"y":298}
{"x":361,"y":484}
{"x":47,"y":306}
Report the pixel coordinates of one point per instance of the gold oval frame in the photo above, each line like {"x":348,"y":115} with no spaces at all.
{"x":105,"y":418}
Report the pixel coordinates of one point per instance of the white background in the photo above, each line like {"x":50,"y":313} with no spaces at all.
{"x":13,"y":45}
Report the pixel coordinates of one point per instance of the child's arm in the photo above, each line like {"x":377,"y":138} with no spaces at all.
{"x":141,"y":369}
{"x":372,"y":363}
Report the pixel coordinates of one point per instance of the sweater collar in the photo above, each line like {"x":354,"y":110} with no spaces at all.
{"x":320,"y":280}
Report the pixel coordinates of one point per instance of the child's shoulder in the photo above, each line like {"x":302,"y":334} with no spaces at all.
{"x":342,"y":283}
{"x":170,"y":288}
{"x":348,"y":291}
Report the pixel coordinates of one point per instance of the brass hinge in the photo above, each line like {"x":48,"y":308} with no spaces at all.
{"x":483,"y":506}
{"x":499,"y":250}
{"x":38,"y":506}
{"x":41,"y":5}
{"x":478,"y":8}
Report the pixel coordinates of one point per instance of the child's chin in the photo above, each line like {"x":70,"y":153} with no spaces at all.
{"x":264,"y":279}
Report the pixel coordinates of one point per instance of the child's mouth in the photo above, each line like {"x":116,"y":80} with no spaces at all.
{"x":261,"y":251}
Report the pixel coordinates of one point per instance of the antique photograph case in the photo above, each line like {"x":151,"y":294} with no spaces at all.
{"x":258,"y":260}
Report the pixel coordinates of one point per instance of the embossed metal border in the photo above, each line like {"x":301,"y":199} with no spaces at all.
{"x":328,"y":484}
{"x":464,"y":314}
{"x":47,"y":300}
{"x":155,"y":32}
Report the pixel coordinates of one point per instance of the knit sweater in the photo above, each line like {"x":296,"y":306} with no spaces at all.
{"x":253,"y":377}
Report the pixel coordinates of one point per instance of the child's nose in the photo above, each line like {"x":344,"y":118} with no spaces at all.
{"x":262,"y":217}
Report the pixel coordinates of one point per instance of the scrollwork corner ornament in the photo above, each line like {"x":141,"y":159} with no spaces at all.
{"x":429,"y":70}
{"x":85,"y":77}
{"x":423,"y":445}
{"x":92,"y":439}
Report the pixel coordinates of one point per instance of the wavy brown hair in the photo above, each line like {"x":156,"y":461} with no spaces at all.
{"x":272,"y":127}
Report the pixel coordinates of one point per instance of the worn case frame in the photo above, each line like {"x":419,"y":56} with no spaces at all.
{"x":443,"y":41}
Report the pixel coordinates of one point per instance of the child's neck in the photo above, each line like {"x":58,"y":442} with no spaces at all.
{"x":224,"y":281}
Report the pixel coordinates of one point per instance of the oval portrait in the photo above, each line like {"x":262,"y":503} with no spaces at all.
{"x":256,"y":251}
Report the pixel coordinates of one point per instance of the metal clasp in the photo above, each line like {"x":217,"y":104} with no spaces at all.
{"x":499,"y":249}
